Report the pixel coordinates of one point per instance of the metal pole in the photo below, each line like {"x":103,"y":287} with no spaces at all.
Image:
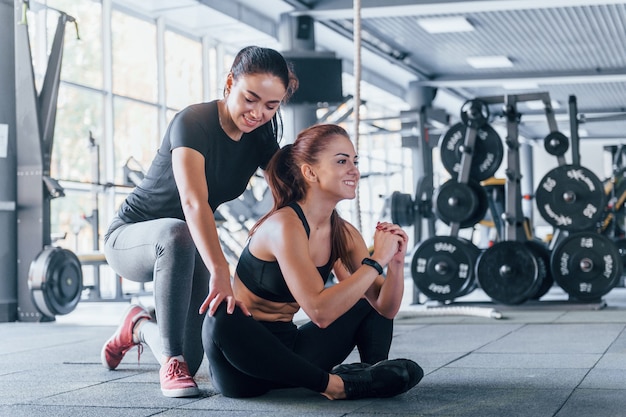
{"x":421,"y":99}
{"x":573,"y":123}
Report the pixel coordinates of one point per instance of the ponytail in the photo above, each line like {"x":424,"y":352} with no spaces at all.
{"x":284,"y":181}
{"x":282,"y":176}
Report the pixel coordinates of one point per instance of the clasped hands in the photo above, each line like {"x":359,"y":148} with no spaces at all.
{"x":390,"y":243}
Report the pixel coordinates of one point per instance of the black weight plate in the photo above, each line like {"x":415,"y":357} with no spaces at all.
{"x":542,"y":254}
{"x":621,"y":247}
{"x":487,"y":155}
{"x":475,"y":113}
{"x":402,"y":209}
{"x":571,"y":198}
{"x":474,"y":253}
{"x":455,"y":202}
{"x":556,"y":143}
{"x":508,"y":272}
{"x":56,"y":281}
{"x":483,"y":203}
{"x":461,"y":203}
{"x":586,"y":265}
{"x":442,"y":267}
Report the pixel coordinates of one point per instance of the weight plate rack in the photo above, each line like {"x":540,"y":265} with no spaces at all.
{"x":443,"y":267}
{"x":584,"y":262}
{"x":512,"y":271}
{"x":517,"y":267}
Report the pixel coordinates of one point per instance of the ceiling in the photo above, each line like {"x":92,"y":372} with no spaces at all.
{"x":567,"y":48}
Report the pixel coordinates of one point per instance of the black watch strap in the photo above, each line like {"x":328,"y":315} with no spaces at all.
{"x":373,"y":264}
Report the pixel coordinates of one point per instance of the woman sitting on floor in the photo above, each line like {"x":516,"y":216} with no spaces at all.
{"x":284,"y":267}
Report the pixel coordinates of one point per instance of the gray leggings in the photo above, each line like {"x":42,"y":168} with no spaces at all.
{"x":163,"y":251}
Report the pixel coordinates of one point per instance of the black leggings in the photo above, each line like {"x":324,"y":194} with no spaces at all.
{"x":248,"y":358}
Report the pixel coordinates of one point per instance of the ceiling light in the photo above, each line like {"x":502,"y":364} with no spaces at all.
{"x":520,"y":85}
{"x":495,"y":61}
{"x":445,"y":24}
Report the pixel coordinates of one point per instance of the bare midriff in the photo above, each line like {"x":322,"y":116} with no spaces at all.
{"x":262,"y":309}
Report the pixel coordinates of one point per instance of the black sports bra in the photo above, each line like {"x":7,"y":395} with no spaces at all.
{"x":264,"y":278}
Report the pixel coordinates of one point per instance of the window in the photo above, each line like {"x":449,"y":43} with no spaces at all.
{"x":82,"y":58}
{"x":134,"y":57}
{"x":79,"y":114}
{"x":79,"y":110}
{"x":135,"y":133}
{"x":183,"y":71}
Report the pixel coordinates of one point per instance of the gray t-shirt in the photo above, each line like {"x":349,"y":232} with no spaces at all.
{"x":229,"y":164}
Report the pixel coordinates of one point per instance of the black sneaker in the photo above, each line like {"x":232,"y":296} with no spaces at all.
{"x":385,"y":379}
{"x":349,"y":367}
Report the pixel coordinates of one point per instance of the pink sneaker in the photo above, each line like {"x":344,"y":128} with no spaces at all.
{"x":122,"y":340}
{"x":176,"y":381}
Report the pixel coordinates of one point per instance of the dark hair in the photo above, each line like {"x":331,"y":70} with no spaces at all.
{"x":258,"y":60}
{"x":288,"y":186}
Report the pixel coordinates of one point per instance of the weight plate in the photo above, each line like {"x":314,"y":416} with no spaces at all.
{"x":474,"y":113}
{"x":457,"y":202}
{"x":442,"y":267}
{"x":55,"y":280}
{"x":571,"y":198}
{"x":621,"y":247}
{"x":508,"y":272}
{"x":556,"y":143}
{"x":542,"y":254}
{"x":402,"y":209}
{"x":486,"y":157}
{"x":586,"y":265}
{"x":474,"y":253}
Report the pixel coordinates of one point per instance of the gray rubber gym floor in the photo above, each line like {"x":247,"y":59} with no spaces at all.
{"x":547,"y":358}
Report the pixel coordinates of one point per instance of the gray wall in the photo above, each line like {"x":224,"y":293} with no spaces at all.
{"x":8,"y":173}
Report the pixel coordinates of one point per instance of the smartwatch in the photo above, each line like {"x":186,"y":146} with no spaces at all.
{"x":373,"y":264}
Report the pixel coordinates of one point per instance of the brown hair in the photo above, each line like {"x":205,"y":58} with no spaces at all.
{"x":288,"y":186}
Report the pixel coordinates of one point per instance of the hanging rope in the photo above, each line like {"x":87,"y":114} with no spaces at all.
{"x":357,"y":96}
